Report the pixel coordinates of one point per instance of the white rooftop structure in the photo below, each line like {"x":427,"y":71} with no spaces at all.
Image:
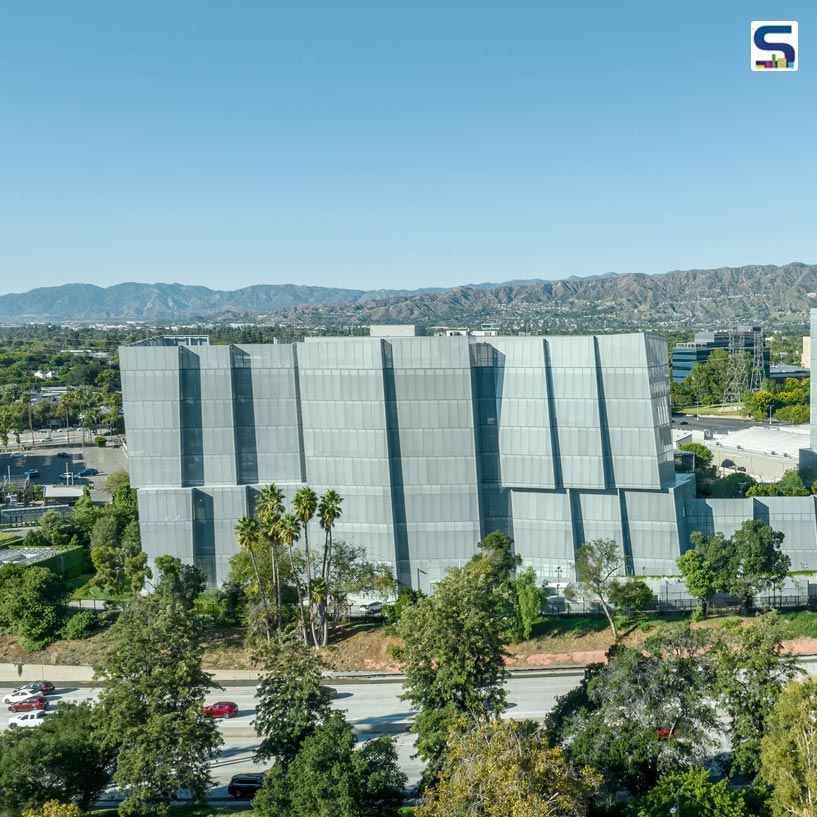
{"x":781,"y":441}
{"x":63,"y":491}
{"x":680,"y":437}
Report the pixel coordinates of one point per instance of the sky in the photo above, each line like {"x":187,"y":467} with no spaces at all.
{"x":398,"y":144}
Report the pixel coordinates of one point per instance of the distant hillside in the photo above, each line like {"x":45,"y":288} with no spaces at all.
{"x":769,"y":295}
{"x":163,"y":302}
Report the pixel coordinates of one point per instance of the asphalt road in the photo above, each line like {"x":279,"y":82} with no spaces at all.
{"x":373,"y":708}
{"x":690,"y":423}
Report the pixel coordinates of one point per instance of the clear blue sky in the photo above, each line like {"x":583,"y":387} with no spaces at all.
{"x":397,"y":144}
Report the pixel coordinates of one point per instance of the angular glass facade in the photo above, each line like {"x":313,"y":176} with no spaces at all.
{"x":432,"y":441}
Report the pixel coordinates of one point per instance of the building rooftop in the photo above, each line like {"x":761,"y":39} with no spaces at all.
{"x":775,"y":441}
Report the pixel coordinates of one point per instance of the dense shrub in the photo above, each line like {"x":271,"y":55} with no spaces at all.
{"x":80,"y":624}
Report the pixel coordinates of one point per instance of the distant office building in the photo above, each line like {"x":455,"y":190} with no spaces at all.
{"x":782,"y":372}
{"x":685,"y":356}
{"x":805,"y":356}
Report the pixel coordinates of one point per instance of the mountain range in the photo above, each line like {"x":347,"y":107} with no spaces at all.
{"x":770,"y":295}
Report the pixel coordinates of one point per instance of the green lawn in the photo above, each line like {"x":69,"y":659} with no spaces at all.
{"x":721,"y":411}
{"x":83,"y":589}
{"x":800,"y":624}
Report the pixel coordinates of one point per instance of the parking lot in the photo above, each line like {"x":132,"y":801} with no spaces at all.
{"x":49,"y":463}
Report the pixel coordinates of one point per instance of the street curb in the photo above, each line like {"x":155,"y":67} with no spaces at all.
{"x":350,"y":677}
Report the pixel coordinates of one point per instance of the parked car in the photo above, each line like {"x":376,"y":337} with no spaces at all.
{"x":222,"y":709}
{"x":330,"y":692}
{"x":17,"y":455}
{"x":34,"y":702}
{"x":371,"y":608}
{"x":37,"y":687}
{"x":27,"y":719}
{"x":31,"y":473}
{"x":245,"y":786}
{"x":63,"y":454}
{"x":88,"y":472}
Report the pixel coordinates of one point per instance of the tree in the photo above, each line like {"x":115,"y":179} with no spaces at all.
{"x":305,"y":505}
{"x":349,"y":571}
{"x":497,"y":547}
{"x":529,"y":598}
{"x":791,"y":484}
{"x":269,"y":509}
{"x":248,"y":532}
{"x":752,"y":671}
{"x":62,"y":760}
{"x":329,"y":777}
{"x":795,"y":415}
{"x":597,"y":564}
{"x":691,"y":792}
{"x":329,"y":511}
{"x":706,"y":568}
{"x":788,"y":753}
{"x":291,"y":702}
{"x":32,"y":603}
{"x":454,"y":654}
{"x":405,"y":598}
{"x":118,"y":559}
{"x":83,"y":517}
{"x":759,"y":563}
{"x":289,"y":532}
{"x":648,"y":712}
{"x":631,"y":595}
{"x":136,"y":560}
{"x":760,"y":403}
{"x":500,"y":768}
{"x":55,"y":528}
{"x":53,"y":808}
{"x":116,"y":480}
{"x":153,"y":690}
{"x":179,"y":581}
{"x":105,"y":533}
{"x":707,"y":381}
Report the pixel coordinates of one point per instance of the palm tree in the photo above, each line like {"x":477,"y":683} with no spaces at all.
{"x":249,"y":535}
{"x":329,"y":511}
{"x":305,"y":504}
{"x":289,"y":532}
{"x":270,"y":507}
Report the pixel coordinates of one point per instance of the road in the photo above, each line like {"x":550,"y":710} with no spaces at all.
{"x":373,"y":708}
{"x":690,"y":422}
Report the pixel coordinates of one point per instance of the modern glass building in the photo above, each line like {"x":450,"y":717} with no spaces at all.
{"x":685,"y":356}
{"x":433,"y":442}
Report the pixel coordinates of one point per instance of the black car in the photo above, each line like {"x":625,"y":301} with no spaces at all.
{"x":38,"y":687}
{"x":245,"y":786}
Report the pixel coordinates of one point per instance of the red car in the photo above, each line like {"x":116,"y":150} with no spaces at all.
{"x":222,"y":709}
{"x":34,"y":702}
